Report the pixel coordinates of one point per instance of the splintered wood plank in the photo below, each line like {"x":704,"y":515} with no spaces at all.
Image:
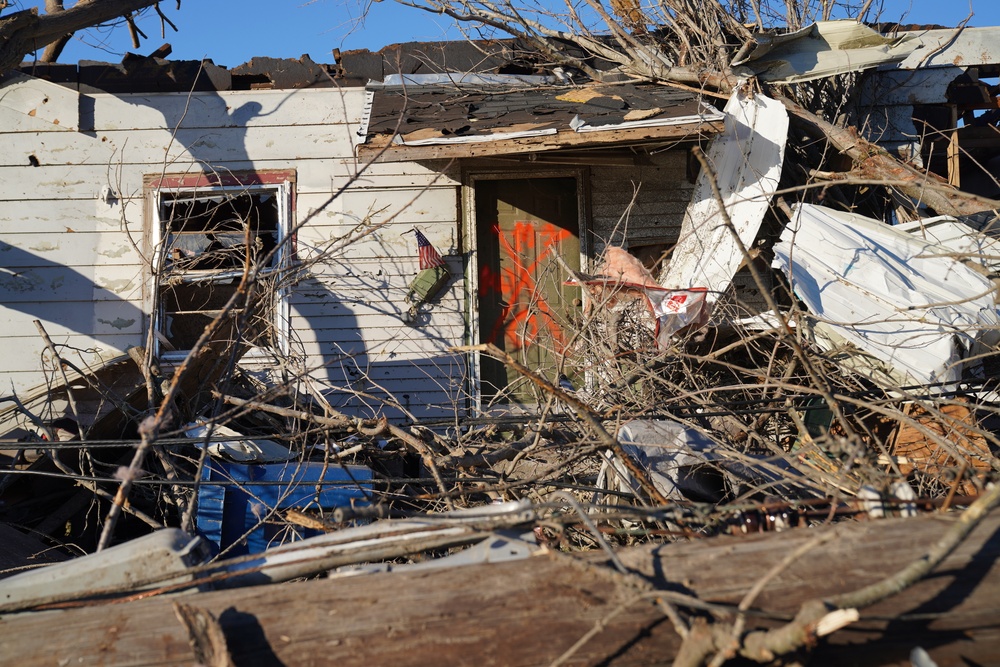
{"x":529,"y":612}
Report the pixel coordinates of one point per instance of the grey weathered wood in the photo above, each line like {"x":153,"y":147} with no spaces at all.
{"x":529,"y":612}
{"x":568,"y":139}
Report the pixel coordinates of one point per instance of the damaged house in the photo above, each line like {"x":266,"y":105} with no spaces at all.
{"x":145,"y":189}
{"x":152,"y":185}
{"x":453,"y":293}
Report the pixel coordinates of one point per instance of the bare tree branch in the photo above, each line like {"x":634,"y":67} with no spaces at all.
{"x":26,"y":31}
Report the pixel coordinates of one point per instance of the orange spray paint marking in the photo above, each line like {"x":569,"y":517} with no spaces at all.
{"x":527,"y":313}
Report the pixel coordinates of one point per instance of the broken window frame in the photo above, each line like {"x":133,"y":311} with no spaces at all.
{"x":278,"y":184}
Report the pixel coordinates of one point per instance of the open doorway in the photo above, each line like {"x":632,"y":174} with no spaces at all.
{"x":522,"y":227}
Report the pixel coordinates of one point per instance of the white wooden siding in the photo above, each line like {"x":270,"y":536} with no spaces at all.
{"x":71,"y":233}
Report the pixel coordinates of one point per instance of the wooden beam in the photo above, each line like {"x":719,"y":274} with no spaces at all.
{"x":551,"y":142}
{"x":954,"y":151}
{"x":529,"y":612}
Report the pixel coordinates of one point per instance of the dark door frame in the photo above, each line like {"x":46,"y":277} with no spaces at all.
{"x":470,"y":177}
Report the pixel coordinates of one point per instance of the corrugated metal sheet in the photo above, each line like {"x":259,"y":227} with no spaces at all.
{"x":902,"y":299}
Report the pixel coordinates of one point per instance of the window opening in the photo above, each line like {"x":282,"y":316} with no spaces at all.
{"x":208,"y":238}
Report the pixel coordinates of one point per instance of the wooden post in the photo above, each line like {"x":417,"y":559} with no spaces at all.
{"x":954,"y":175}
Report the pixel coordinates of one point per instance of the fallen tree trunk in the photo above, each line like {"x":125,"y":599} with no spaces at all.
{"x":530,"y":612}
{"x":874,"y":163}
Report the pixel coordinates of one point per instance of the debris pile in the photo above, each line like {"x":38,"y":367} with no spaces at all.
{"x":864,"y":390}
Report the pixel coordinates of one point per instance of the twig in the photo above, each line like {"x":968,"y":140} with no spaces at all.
{"x":62,"y":371}
{"x":147,"y":431}
{"x":582,"y":410}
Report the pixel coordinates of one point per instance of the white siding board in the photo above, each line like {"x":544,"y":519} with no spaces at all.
{"x":386,"y":339}
{"x":154,"y":147}
{"x":27,"y":362}
{"x":61,"y":283}
{"x":317,"y":179}
{"x":336,"y":302}
{"x":12,"y":121}
{"x":66,"y":249}
{"x":42,"y":100}
{"x":386,"y":254}
{"x":414,"y":349}
{"x":66,"y":216}
{"x":402,"y":206}
{"x":96,"y":319}
{"x":422,"y":377}
{"x":273,"y":108}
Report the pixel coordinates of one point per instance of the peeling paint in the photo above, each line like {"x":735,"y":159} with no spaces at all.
{"x":205,"y":142}
{"x":119,"y":323}
{"x":116,"y":252}
{"x":118,"y":286}
{"x":57,"y":282}
{"x":44,"y":246}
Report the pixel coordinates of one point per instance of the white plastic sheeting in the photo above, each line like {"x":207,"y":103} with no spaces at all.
{"x":684,"y":463}
{"x":240,"y":449}
{"x":747,"y":161}
{"x":904,"y":300}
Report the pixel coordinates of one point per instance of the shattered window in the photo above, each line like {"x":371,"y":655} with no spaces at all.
{"x":207,"y":239}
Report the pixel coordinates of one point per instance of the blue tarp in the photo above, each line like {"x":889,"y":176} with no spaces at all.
{"x":227,"y":512}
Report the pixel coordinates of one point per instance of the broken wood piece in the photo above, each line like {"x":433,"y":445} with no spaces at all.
{"x":310,"y":521}
{"x":205,"y":635}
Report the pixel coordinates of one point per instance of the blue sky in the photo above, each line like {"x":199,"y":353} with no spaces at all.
{"x":230,"y":32}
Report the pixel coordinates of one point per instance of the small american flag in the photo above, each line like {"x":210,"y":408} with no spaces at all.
{"x":429,"y":257}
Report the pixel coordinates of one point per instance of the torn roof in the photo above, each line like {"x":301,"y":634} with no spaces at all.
{"x":465,"y":115}
{"x":153,"y":73}
{"x":828,"y":48}
{"x":820,"y":50}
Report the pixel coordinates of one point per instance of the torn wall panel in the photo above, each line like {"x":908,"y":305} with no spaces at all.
{"x":900,"y":298}
{"x":961,"y":47}
{"x":49,"y":102}
{"x":747,"y":161}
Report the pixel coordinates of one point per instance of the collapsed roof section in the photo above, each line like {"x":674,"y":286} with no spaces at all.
{"x":153,"y":73}
{"x":827,"y":48}
{"x":424,"y":117}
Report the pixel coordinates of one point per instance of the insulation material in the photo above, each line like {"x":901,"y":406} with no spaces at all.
{"x":682,"y":463}
{"x":624,"y":275}
{"x":902,"y":299}
{"x":747,"y":160}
